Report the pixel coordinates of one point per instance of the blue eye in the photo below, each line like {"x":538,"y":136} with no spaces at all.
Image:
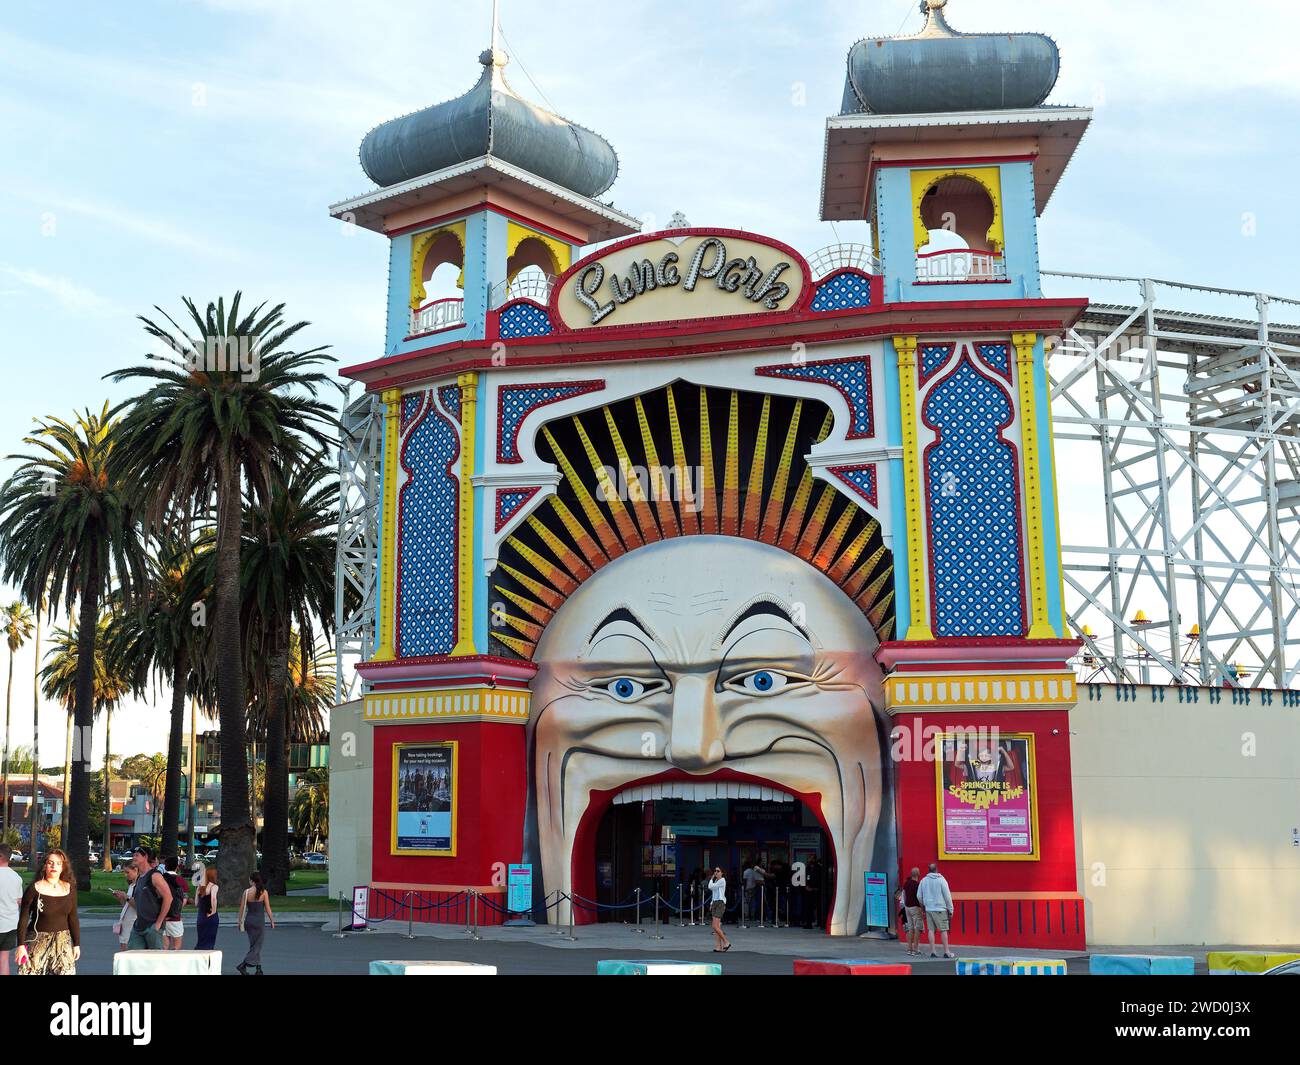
{"x":763,"y":682}
{"x":625,"y":689}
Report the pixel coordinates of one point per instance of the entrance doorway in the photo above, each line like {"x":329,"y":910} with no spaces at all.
{"x":666,"y":846}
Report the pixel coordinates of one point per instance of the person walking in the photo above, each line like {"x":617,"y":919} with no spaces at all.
{"x":717,"y":886}
{"x":254,"y":914}
{"x":126,"y":919}
{"x":48,"y":923}
{"x":152,"y":900}
{"x":174,"y":926}
{"x":11,"y":901}
{"x":209,"y":921}
{"x":913,"y":913}
{"x":936,"y":899}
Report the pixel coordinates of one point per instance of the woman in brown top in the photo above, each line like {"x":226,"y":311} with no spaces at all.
{"x":48,"y":928}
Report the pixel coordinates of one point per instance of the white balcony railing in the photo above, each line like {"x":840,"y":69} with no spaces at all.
{"x":960,"y":265}
{"x":825,"y":261}
{"x":440,"y":314}
{"x":528,"y":284}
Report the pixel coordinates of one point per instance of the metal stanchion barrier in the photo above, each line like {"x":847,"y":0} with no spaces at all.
{"x":339,"y":934}
{"x":572,"y":937}
{"x":681,"y":910}
{"x":787,"y":906}
{"x":691,"y":905}
{"x":638,"y":927}
{"x":744,"y":896}
{"x":762,"y":903}
{"x":658,"y":932}
{"x":410,"y":916}
{"x":776,"y":907}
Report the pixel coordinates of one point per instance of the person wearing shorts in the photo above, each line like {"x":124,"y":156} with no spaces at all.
{"x":717,"y":886}
{"x":937,"y":900}
{"x":11,"y":897}
{"x":913,"y":912}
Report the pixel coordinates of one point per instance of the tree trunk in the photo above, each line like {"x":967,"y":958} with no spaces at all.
{"x":77,"y":845}
{"x":106,"y":859}
{"x":36,"y":739}
{"x":275,"y":783}
{"x":171,"y":819}
{"x":190,"y":814}
{"x":4,"y":820}
{"x":67,"y":785}
{"x":236,"y":853}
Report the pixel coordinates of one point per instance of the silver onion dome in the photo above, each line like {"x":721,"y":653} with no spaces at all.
{"x":490,"y":120}
{"x":941,"y":70}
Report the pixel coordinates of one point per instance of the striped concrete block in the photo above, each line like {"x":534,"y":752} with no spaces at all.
{"x":657,"y":967}
{"x":1141,"y":965}
{"x":849,"y":967}
{"x":430,"y":968}
{"x":1245,"y":962}
{"x":1010,"y":967}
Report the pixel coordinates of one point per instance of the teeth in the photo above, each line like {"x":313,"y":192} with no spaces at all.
{"x":701,"y":792}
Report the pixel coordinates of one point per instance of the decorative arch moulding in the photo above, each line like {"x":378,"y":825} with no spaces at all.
{"x":850,"y":376}
{"x":514,"y":403}
{"x":420,"y":245}
{"x":987,"y":177}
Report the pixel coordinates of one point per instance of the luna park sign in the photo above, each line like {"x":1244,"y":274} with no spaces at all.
{"x":681,"y":275}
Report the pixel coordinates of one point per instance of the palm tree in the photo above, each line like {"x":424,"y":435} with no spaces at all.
{"x":227,"y":404}
{"x":288,"y":584}
{"x":158,"y":640}
{"x":16,"y":622}
{"x":155,"y":783}
{"x":311,"y":806}
{"x":66,"y":526}
{"x":61,"y":680}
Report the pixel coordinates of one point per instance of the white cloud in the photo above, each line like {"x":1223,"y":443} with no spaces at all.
{"x":74,"y":298}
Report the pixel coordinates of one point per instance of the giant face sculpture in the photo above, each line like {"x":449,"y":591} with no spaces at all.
{"x":708,"y":658}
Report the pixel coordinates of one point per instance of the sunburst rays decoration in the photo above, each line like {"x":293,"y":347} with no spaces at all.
{"x":592,"y":519}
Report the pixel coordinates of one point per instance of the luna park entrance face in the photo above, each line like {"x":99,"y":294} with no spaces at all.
{"x":669,"y":847}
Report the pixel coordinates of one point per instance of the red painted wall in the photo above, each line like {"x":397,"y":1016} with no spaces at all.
{"x":917,"y":798}
{"x":490,"y":803}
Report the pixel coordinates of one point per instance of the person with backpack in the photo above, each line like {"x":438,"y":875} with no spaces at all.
{"x":174,"y":927}
{"x":153,"y":902}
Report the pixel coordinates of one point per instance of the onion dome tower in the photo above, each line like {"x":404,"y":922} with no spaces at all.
{"x":489,"y":183}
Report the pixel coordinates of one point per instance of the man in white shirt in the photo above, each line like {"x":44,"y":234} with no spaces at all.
{"x":937,"y":902}
{"x":11,"y":897}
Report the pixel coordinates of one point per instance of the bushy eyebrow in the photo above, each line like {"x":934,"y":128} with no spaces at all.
{"x":764,"y":606}
{"x":621,"y":614}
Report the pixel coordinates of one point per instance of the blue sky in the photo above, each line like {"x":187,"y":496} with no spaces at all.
{"x":191,"y":147}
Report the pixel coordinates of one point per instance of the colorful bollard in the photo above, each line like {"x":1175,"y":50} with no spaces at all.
{"x":657,"y":967}
{"x":1010,"y":967}
{"x":1141,"y":965}
{"x":849,"y":967}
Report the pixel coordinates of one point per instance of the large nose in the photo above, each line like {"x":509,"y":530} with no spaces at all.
{"x":695,"y":741}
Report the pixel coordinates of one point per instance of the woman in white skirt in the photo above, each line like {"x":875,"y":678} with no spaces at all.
{"x":717,"y":886}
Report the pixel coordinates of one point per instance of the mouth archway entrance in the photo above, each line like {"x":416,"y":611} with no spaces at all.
{"x":665,"y":839}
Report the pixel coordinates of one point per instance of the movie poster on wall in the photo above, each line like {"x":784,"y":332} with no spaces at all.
{"x":424,"y":799}
{"x":988,"y":804}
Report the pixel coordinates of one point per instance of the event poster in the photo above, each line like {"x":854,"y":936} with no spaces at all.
{"x":424,"y":798}
{"x":988,"y":808}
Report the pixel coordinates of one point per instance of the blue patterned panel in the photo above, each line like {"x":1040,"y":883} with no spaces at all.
{"x":509,"y":500}
{"x":852,"y":377}
{"x":862,"y":479}
{"x":426,"y":590}
{"x":515,"y":402}
{"x":972,"y":486}
{"x":997,"y":357}
{"x":841,"y":291}
{"x":524,"y":320}
{"x":450,"y":397}
{"x":410,"y":408}
{"x":933,"y":359}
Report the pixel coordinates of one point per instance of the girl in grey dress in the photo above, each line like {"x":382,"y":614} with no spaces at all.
{"x":254,"y":914}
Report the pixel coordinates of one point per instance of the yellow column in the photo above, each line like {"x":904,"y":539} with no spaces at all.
{"x":1040,"y":626}
{"x":386,"y":649}
{"x":468,"y":383}
{"x":918,"y":601}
